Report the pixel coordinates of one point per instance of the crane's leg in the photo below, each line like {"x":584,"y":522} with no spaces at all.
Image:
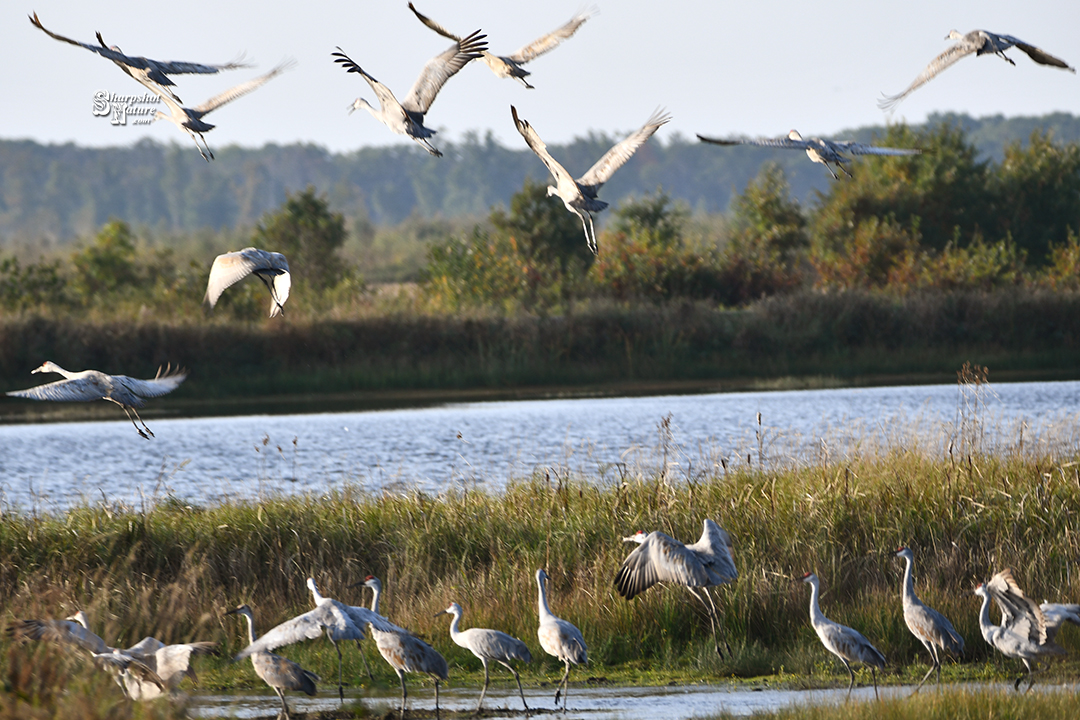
{"x":873,"y":674}
{"x":483,"y":692}
{"x":340,"y":689}
{"x":127,"y":411}
{"x":360,"y":649}
{"x":517,"y":677}
{"x":851,"y":673}
{"x":436,"y":698}
{"x":404,"y":694}
{"x":284,"y":707}
{"x":714,"y":621}
{"x":591,"y":233}
{"x":563,"y":688}
{"x":934,"y":665}
{"x":844,"y":170}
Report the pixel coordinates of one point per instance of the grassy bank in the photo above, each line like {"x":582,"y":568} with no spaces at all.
{"x":838,"y":336}
{"x":172,"y":571}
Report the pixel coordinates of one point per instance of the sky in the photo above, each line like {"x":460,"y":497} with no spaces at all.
{"x":720,"y":68}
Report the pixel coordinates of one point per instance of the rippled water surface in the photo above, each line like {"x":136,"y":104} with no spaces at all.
{"x":51,"y":466}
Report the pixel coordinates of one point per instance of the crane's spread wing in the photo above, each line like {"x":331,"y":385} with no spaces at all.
{"x":714,"y":550}
{"x":227,"y":270}
{"x":82,"y":389}
{"x":1038,"y":55}
{"x":363,"y":616}
{"x":659,"y":558}
{"x":856,"y":148}
{"x":161,"y":384}
{"x":617,"y":156}
{"x":434,"y":25}
{"x":243,"y":88}
{"x":132,"y":666}
{"x":537,"y":145}
{"x":441,"y":68}
{"x":941,"y":62}
{"x":328,"y":616}
{"x":62,"y":631}
{"x":552,"y":39}
{"x":784,"y":142}
{"x":1018,"y":611}
{"x":386,"y":98}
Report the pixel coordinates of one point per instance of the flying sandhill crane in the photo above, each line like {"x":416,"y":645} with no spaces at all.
{"x":277,"y":672}
{"x":129,"y":393}
{"x":152,"y":74}
{"x":405,"y":652}
{"x":190,"y":120}
{"x":407,"y":117}
{"x":338,"y":620}
{"x":489,"y":645}
{"x":661,"y":558}
{"x":979,"y":42}
{"x":74,"y":633}
{"x":509,"y":66}
{"x":845,"y":643}
{"x":1057,"y":614}
{"x":579,"y":196}
{"x":172,"y":663}
{"x":821,"y":151}
{"x":931,"y":628}
{"x":232,"y":267}
{"x":559,"y":639}
{"x":1022,"y":633}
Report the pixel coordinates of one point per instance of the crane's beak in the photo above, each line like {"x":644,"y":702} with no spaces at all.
{"x":439,"y":613}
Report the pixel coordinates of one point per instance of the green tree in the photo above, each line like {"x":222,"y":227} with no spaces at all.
{"x":108,"y":264}
{"x":543,"y":230}
{"x":309,"y":235}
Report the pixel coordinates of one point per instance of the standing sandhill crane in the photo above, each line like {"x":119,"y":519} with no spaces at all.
{"x":152,"y":74}
{"x":407,"y":118}
{"x":232,"y":267}
{"x":661,"y":558}
{"x":579,"y":196}
{"x":488,"y":645}
{"x":127,"y":392}
{"x":190,"y":120}
{"x":931,"y":628}
{"x":510,"y":65}
{"x":74,"y":632}
{"x":559,"y":639}
{"x":979,"y":42}
{"x":277,"y":672}
{"x":404,"y":651}
{"x":1022,"y":633}
{"x":818,"y":150}
{"x":338,"y":620}
{"x":845,"y":643}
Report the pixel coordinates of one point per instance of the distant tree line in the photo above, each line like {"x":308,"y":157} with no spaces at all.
{"x":62,"y":192}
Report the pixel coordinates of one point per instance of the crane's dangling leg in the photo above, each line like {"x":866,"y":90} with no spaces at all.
{"x":517,"y":677}
{"x":844,"y":170}
{"x":714,"y":621}
{"x":591,"y":234}
{"x":128,"y":411}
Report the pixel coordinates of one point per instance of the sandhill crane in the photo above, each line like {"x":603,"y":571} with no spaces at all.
{"x":87,"y":385}
{"x":1022,"y":633}
{"x":232,"y":267}
{"x":510,"y":65}
{"x":152,"y":74}
{"x":579,"y":196}
{"x":277,"y":672}
{"x":404,"y":651}
{"x":74,"y":632}
{"x":558,"y":638}
{"x":172,"y":663}
{"x":190,"y":120}
{"x":1056,"y":615}
{"x":931,"y":628}
{"x":845,"y":643}
{"x":488,"y":645}
{"x":407,"y":118}
{"x":979,"y":42}
{"x":338,"y":620}
{"x":661,"y":558}
{"x":818,"y":150}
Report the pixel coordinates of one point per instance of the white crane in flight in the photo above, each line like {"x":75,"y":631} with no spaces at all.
{"x":509,"y":66}
{"x":579,"y":196}
{"x":232,"y":267}
{"x":127,"y":392}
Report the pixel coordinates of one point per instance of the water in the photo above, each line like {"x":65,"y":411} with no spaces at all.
{"x":48,"y":467}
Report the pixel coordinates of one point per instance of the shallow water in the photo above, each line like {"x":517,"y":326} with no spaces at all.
{"x":594,"y":703}
{"x":204,"y":460}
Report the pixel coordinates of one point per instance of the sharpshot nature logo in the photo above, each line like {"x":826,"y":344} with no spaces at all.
{"x":118,"y":108}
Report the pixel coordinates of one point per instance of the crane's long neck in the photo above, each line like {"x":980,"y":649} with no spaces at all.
{"x":376,"y":591}
{"x":251,"y":627}
{"x":816,"y":616}
{"x":455,"y":630}
{"x":909,"y":582}
{"x":316,"y":596}
{"x":542,"y":601}
{"x":988,"y":628}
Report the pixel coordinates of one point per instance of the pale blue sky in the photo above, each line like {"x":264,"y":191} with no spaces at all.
{"x":756,"y":68}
